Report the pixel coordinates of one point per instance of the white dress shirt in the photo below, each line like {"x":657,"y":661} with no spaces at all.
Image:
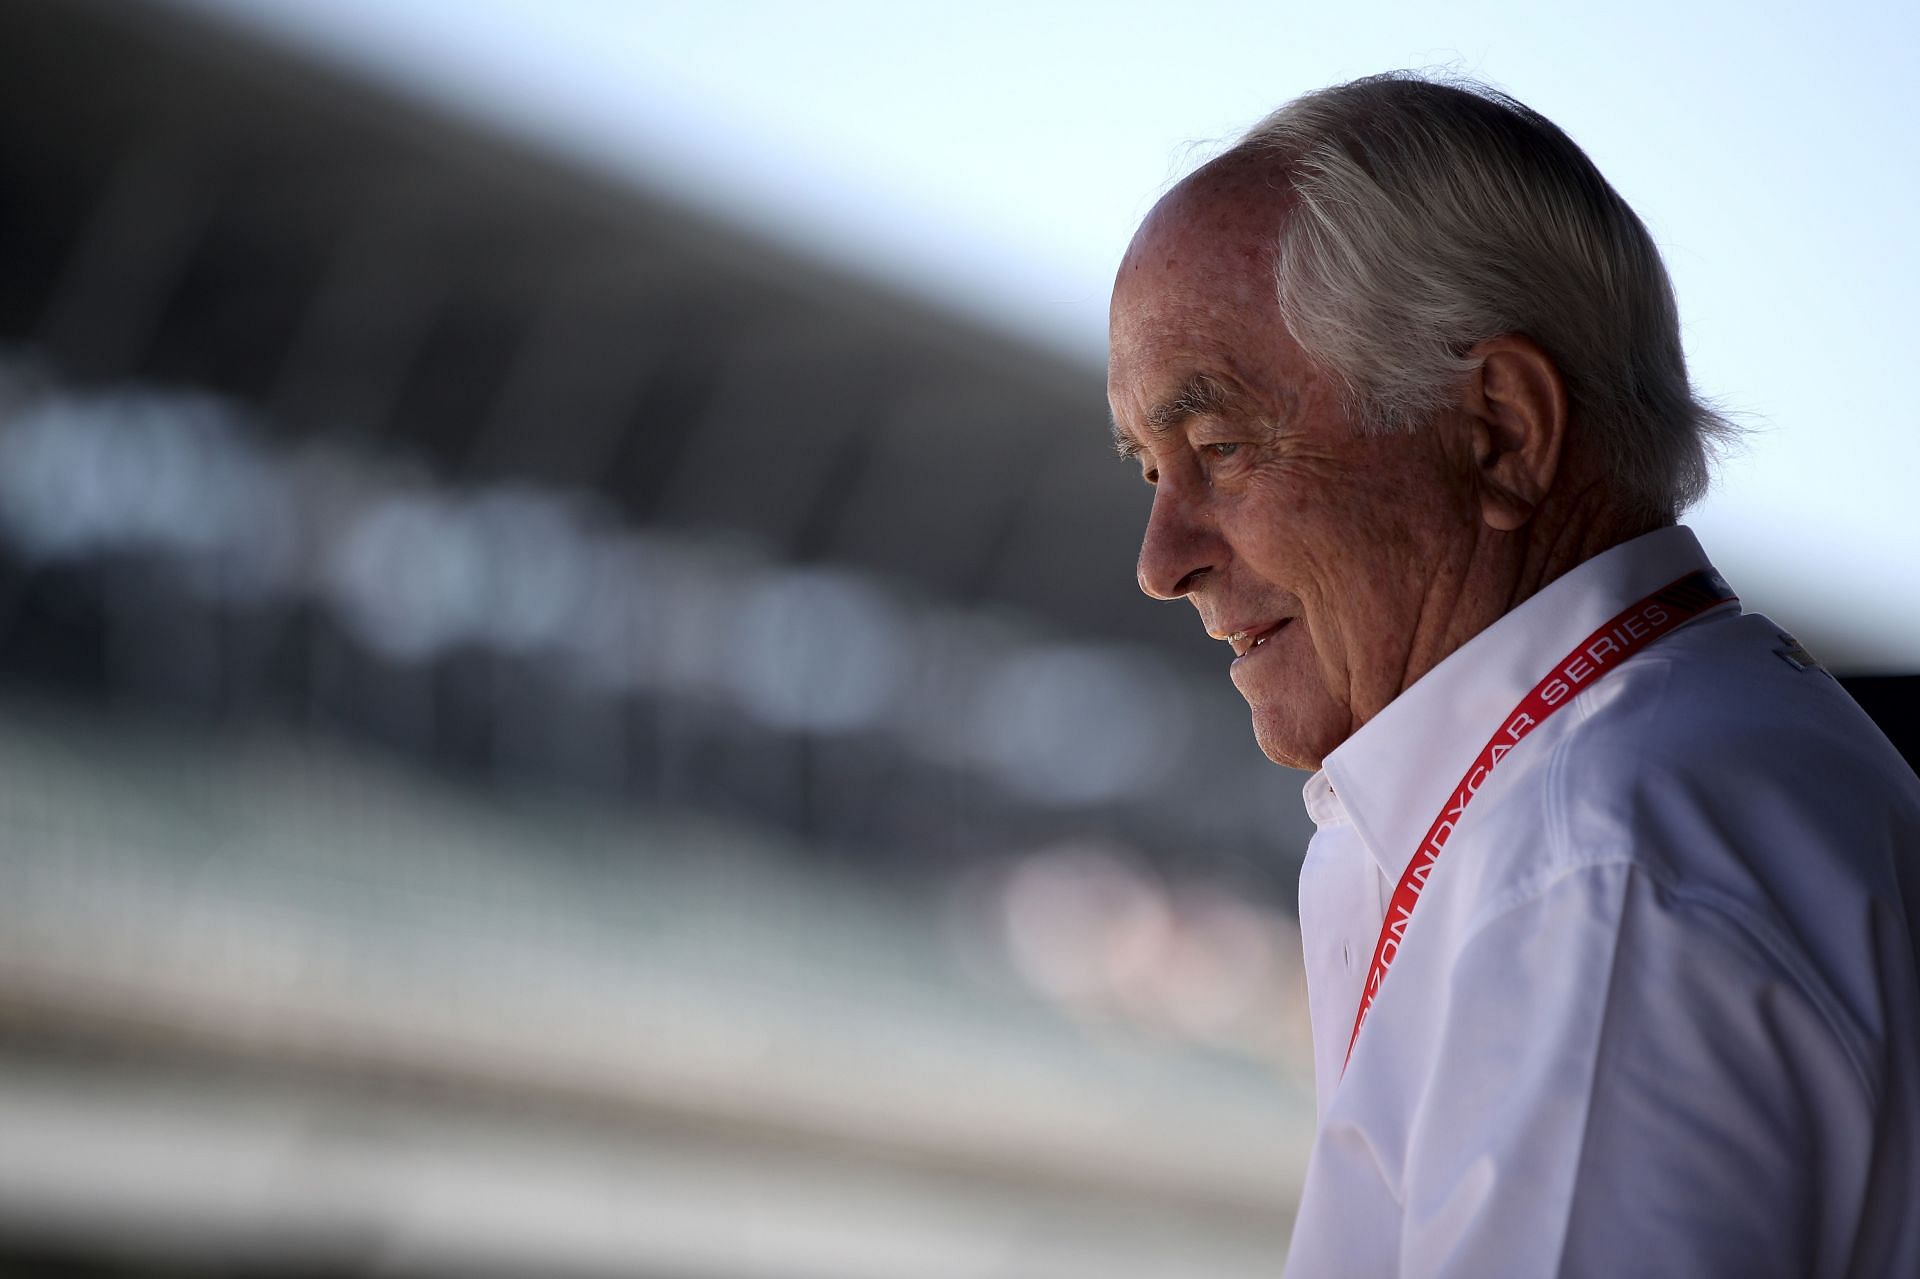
{"x":1657,"y":1011}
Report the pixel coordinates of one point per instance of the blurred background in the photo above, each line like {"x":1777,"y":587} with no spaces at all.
{"x":572,"y":700}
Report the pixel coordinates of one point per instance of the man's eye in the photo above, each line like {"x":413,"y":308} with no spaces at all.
{"x":1221,"y":450}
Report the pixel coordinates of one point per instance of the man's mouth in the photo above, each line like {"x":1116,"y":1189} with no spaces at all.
{"x":1245,"y":642}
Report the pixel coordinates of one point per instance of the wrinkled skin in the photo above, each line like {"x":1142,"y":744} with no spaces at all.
{"x":1375,"y":555}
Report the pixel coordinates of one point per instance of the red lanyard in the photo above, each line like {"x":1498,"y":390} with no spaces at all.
{"x":1631,"y":630}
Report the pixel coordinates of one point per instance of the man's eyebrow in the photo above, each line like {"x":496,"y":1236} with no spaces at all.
{"x":1201,"y":395}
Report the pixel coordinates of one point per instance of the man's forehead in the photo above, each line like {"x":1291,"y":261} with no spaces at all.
{"x":1195,"y":297}
{"x":1232,"y":206}
{"x":1204,"y":253}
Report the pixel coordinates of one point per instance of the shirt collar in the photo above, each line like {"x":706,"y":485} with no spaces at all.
{"x":1396,"y":772}
{"x":1322,"y":804}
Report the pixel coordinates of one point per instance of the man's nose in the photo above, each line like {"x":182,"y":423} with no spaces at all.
{"x":1180,"y":546}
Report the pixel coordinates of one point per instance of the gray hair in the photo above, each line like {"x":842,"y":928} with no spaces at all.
{"x":1432,"y":216}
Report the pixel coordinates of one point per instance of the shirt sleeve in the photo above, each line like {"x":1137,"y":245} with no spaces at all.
{"x":1632,"y":1080}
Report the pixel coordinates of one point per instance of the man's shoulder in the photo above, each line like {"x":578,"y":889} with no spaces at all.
{"x":1758,"y":807}
{"x":1726,"y":759}
{"x":1734,"y":705}
{"x":1722,"y":767}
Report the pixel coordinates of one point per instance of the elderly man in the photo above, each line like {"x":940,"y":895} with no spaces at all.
{"x":1610,"y":916}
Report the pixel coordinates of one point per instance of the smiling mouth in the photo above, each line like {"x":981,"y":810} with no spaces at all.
{"x":1245,"y":642}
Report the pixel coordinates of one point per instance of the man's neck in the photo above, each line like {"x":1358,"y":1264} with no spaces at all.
{"x":1557,"y":541}
{"x":1502,"y":570}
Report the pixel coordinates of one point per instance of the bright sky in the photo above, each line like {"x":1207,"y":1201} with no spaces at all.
{"x":998,"y":155}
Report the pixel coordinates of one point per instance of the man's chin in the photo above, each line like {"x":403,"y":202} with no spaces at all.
{"x":1291,"y":741}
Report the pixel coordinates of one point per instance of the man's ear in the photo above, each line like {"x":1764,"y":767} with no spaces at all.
{"x":1516,"y":403}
